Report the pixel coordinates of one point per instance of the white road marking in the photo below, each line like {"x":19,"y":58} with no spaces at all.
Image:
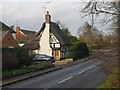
{"x":87,"y":69}
{"x":91,"y":67}
{"x":65,"y":79}
{"x":79,"y":72}
{"x":98,"y":63}
{"x":82,"y":71}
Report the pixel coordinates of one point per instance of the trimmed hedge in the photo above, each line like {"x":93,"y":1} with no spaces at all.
{"x":26,"y":69}
{"x":78,"y":50}
{"x":20,"y":54}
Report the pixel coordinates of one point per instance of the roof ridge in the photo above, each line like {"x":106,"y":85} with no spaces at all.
{"x":27,"y":30}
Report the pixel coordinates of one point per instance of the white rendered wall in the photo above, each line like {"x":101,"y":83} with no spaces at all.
{"x":53,"y":39}
{"x":44,"y":42}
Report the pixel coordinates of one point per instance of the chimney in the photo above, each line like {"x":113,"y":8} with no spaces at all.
{"x":17,"y":33}
{"x":47,"y":17}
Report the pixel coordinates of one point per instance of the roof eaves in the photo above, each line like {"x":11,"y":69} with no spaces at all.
{"x":59,"y":34}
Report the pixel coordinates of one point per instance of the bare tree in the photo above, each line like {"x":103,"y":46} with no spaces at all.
{"x":90,"y":35}
{"x":110,"y":8}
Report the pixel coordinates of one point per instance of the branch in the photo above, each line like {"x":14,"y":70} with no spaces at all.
{"x":101,"y":11}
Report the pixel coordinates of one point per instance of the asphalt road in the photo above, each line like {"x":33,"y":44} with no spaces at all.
{"x":84,"y":75}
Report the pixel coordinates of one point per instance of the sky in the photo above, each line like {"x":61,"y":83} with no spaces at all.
{"x":30,"y":14}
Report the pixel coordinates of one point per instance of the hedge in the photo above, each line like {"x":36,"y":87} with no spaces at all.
{"x":78,"y":50}
{"x":19,"y":53}
{"x":26,"y":69}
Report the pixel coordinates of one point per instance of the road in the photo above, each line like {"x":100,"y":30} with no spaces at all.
{"x":83,"y":75}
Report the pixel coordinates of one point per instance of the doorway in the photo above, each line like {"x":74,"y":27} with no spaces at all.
{"x":57,"y":54}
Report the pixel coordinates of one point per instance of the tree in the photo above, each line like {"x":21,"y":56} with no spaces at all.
{"x":67,"y":32}
{"x":108,"y":8}
{"x":90,"y":35}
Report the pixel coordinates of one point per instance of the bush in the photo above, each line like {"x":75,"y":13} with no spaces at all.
{"x":78,"y":50}
{"x":71,"y":54}
{"x":9,"y":61}
{"x":83,"y":48}
{"x":20,"y":53}
{"x":75,"y":54}
{"x":26,"y":69}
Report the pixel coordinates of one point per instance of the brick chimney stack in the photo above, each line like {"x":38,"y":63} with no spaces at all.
{"x":17,"y":33}
{"x":47,"y":17}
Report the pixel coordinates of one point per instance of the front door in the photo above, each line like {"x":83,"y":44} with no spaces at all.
{"x":57,"y":54}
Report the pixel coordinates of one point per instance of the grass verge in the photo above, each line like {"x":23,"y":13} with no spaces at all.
{"x":111,"y":82}
{"x":26,"y":69}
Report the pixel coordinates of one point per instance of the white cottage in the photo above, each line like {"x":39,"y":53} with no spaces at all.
{"x":50,"y":40}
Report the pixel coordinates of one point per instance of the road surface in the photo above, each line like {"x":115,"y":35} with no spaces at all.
{"x":83,"y":75}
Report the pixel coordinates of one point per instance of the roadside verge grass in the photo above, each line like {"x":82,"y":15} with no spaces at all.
{"x":111,"y":82}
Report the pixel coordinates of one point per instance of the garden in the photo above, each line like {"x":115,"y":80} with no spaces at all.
{"x":16,"y":61}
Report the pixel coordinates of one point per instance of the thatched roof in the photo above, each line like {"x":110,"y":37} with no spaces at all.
{"x":32,"y":45}
{"x":57,"y":32}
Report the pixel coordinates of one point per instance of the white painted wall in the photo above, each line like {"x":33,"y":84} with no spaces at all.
{"x":44,"y":42}
{"x":53,"y":39}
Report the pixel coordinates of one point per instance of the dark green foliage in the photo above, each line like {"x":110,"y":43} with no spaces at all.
{"x":78,"y":50}
{"x":9,"y":61}
{"x":69,"y":36}
{"x":22,"y":41}
{"x":26,"y":69}
{"x":73,"y":38}
{"x":70,"y":54}
{"x":20,"y":53}
{"x":83,"y":48}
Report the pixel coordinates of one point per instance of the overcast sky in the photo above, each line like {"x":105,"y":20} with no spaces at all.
{"x":30,"y":15}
